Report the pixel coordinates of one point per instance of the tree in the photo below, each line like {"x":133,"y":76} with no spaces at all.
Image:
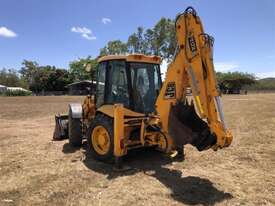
{"x":10,"y":78}
{"x":234,"y":81}
{"x":77,"y":70}
{"x":171,"y":39}
{"x":159,"y":40}
{"x":136,"y":42}
{"x":164,"y":38}
{"x":44,"y":78}
{"x":57,"y":80}
{"x":132,"y":43}
{"x":29,"y":71}
{"x":150,"y":42}
{"x":115,"y":47}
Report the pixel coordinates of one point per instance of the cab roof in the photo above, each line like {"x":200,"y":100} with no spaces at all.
{"x":132,"y":58}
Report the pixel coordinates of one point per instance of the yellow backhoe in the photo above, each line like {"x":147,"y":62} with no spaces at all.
{"x":133,"y":108}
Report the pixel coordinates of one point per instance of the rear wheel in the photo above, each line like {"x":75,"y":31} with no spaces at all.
{"x":74,"y":131}
{"x":100,"y":138}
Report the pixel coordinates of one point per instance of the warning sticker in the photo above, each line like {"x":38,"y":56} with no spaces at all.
{"x":170,"y":92}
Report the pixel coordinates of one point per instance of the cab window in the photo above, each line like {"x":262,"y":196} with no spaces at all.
{"x":118,"y":88}
{"x":146,"y":84}
{"x":100,"y":85}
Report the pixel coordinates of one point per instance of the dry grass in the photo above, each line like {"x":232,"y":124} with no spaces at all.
{"x":36,"y":171}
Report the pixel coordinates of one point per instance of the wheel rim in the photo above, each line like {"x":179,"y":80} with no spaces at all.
{"x":101,"y":140}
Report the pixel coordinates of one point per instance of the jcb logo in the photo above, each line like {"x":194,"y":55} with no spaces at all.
{"x":192,"y":44}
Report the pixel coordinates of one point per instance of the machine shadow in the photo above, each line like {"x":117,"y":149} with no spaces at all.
{"x":188,"y":190}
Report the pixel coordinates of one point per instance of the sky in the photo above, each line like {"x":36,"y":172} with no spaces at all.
{"x":56,"y":32}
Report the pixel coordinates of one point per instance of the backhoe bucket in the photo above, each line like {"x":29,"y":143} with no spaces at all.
{"x":186,"y":127}
{"x":61,"y":127}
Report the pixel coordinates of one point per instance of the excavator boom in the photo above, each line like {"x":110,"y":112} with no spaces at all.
{"x":199,"y":122}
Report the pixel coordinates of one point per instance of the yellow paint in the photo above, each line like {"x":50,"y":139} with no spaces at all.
{"x":132,"y":58}
{"x":88,"y":107}
{"x":101,"y":140}
{"x":198,"y":102}
{"x":109,"y":111}
{"x":118,"y":130}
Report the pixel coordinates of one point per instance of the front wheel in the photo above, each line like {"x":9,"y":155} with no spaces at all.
{"x":100,"y":138}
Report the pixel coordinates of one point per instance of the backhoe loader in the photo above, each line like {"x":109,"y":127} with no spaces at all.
{"x":133,"y":108}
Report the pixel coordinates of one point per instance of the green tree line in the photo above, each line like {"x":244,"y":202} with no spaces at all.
{"x":39,"y":78}
{"x":233,"y":82}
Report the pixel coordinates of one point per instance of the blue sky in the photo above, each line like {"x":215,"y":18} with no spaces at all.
{"x":55,"y":32}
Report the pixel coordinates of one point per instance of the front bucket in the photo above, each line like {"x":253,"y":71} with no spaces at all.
{"x":61,"y":127}
{"x":186,"y":127}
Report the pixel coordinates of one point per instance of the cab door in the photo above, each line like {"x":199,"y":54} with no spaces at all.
{"x":100,"y":84}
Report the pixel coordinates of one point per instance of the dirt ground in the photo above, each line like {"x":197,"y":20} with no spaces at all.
{"x":34,"y":170}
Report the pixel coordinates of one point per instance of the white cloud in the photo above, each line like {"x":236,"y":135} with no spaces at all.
{"x":87,"y":36}
{"x":226,"y":66}
{"x":5,"y":32}
{"x":85,"y":32}
{"x":262,"y":75}
{"x":106,"y":20}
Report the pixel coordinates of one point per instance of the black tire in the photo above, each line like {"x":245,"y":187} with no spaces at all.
{"x":74,"y":130}
{"x":107,"y":123}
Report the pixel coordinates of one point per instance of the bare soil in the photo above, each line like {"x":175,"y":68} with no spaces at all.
{"x":34,"y":170}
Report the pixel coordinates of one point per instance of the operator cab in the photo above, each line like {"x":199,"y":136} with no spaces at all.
{"x":132,"y":80}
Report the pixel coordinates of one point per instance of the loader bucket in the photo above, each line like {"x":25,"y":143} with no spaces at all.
{"x":61,"y":127}
{"x":186,"y":127}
